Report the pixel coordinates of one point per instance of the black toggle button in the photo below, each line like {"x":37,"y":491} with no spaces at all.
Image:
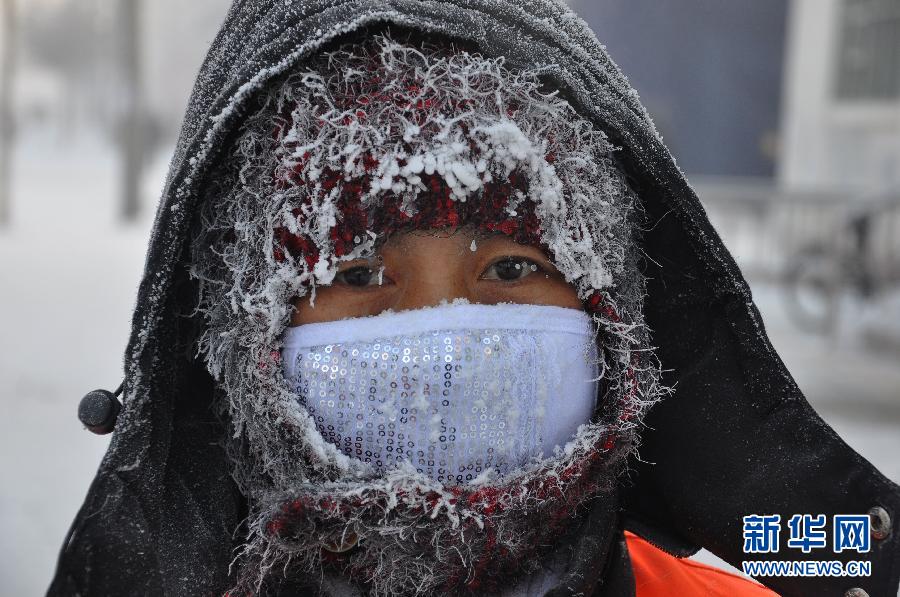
{"x":98,"y":411}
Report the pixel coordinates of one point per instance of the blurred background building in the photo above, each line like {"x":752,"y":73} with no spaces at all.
{"x":841,"y":115}
{"x":709,"y":72}
{"x":785,"y":115}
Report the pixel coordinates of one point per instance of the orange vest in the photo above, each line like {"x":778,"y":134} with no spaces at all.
{"x":658,"y":574}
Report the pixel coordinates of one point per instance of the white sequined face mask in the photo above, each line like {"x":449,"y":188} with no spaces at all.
{"x":454,"y":390}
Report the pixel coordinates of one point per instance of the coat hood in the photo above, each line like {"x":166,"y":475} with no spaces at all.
{"x":737,"y":437}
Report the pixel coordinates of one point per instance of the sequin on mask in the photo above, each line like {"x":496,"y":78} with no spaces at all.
{"x":452,"y":403}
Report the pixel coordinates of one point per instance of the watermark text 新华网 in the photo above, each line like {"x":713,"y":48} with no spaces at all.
{"x":808,"y":534}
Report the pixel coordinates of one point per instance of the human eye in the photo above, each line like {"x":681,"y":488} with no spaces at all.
{"x":510,"y":269}
{"x":358,"y":276}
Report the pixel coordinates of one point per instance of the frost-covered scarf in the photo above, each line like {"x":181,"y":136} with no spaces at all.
{"x":365,"y":141}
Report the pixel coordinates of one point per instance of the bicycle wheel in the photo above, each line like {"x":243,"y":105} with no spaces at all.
{"x":813,"y":282}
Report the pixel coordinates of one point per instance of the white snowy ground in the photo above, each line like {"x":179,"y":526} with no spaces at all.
{"x":68,"y":278}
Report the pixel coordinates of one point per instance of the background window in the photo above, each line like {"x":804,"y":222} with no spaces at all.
{"x":869,"y":52}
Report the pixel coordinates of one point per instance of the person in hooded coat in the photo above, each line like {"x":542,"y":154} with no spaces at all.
{"x":216,"y":480}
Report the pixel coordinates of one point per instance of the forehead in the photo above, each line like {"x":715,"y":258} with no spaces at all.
{"x":464,"y":240}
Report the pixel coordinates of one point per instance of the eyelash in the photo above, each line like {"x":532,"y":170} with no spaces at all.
{"x":378,"y":274}
{"x":533,"y":265}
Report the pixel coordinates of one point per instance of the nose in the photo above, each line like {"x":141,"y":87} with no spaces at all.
{"x":429,"y":286}
{"x":433,"y":268}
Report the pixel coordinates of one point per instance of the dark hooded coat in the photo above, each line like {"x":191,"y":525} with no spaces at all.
{"x":736,"y":438}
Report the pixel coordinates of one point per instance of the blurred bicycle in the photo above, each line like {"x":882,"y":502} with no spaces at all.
{"x":821,"y":274}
